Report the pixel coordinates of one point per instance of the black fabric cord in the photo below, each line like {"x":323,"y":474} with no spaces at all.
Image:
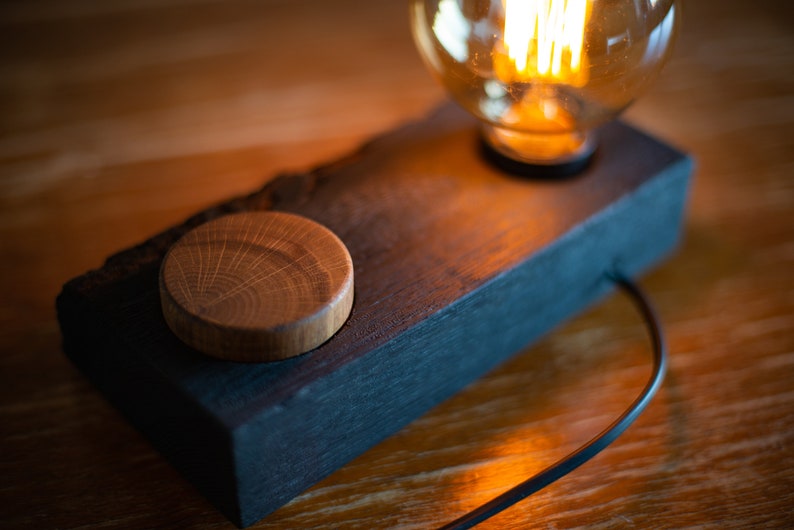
{"x":570,"y":462}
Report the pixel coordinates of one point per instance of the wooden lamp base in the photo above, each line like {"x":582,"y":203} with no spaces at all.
{"x":457,"y":264}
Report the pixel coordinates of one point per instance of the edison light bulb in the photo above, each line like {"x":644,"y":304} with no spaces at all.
{"x":542,"y":74}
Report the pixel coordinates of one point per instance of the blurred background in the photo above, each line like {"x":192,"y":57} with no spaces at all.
{"x":119,"y":119}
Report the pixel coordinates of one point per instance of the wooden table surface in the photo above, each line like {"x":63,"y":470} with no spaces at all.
{"x":118,"y":119}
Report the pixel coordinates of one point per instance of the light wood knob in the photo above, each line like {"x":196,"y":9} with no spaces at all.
{"x":257,"y":286}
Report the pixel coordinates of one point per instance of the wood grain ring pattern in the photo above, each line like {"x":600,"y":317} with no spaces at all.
{"x":257,"y":286}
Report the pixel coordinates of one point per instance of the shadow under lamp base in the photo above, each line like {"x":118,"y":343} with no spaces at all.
{"x":458,"y":266}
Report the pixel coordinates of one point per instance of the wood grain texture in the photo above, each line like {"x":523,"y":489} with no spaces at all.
{"x":260,"y":286}
{"x":122,"y":118}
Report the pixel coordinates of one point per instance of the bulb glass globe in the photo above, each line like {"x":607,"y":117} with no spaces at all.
{"x":542,"y":74}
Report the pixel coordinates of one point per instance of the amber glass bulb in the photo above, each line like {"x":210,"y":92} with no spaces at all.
{"x":542,"y":74}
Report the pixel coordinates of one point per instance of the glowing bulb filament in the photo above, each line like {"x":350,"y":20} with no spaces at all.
{"x":544,"y":40}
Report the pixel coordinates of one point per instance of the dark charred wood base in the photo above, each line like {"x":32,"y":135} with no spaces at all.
{"x":458,"y":266}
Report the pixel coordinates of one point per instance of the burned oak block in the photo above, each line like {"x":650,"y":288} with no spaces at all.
{"x":457,"y":267}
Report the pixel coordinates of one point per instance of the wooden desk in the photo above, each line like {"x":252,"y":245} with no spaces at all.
{"x":120,"y":119}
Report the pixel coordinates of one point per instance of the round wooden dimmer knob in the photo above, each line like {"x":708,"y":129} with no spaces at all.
{"x":257,"y":286}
